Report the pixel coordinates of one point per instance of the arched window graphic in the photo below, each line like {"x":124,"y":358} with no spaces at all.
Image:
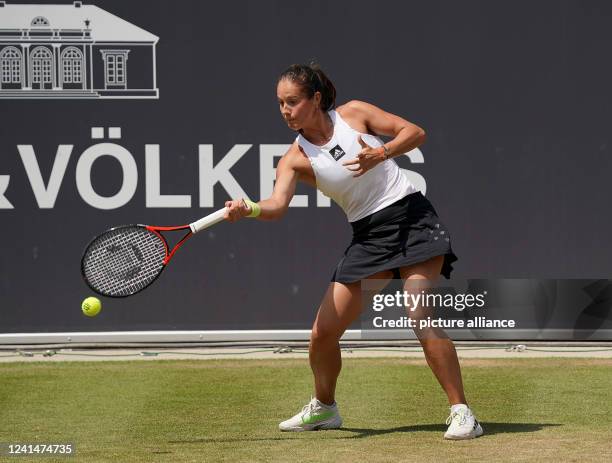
{"x":10,"y":65}
{"x":40,"y":21}
{"x":72,"y":66}
{"x":42,"y":66}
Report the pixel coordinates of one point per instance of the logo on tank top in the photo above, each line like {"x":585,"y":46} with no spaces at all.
{"x":336,"y":152}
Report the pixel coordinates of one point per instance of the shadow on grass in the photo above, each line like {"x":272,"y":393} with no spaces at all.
{"x":489,"y":429}
{"x":359,"y":433}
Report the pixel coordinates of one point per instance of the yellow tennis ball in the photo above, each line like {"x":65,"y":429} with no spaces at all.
{"x":91,"y":306}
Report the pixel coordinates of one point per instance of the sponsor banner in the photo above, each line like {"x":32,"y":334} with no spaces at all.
{"x":152,"y":112}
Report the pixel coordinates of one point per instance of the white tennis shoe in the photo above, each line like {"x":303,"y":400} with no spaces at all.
{"x":462,"y":424}
{"x":314,"y":415}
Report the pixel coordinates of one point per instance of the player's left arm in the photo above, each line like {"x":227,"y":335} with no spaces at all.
{"x":405,"y":135}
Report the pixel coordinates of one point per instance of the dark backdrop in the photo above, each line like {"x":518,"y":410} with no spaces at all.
{"x":514,"y":96}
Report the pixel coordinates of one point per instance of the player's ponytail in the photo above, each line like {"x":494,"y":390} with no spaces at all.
{"x":328,"y":91}
{"x":312,"y":79}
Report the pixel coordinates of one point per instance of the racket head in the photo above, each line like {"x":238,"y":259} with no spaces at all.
{"x":124,"y":260}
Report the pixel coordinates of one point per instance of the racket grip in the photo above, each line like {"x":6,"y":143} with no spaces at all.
{"x":208,"y":221}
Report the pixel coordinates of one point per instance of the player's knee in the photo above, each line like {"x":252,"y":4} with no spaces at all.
{"x":430,"y":335}
{"x":322,"y":334}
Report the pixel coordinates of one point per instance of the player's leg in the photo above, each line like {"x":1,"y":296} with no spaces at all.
{"x":440,"y":352}
{"x":438,"y":348}
{"x":341,"y":305}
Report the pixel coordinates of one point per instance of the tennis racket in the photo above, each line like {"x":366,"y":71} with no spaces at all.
{"x":125,"y":260}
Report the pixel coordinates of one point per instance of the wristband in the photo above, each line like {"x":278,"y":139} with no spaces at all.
{"x":384,"y":151}
{"x":387,"y":152}
{"x":255,"y":208}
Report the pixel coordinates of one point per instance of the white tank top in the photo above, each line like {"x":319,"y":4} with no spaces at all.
{"x":357,"y":196}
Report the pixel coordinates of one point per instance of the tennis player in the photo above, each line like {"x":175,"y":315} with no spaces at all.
{"x":396,"y":231}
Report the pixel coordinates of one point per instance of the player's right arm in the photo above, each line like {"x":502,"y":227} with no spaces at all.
{"x":274,"y":207}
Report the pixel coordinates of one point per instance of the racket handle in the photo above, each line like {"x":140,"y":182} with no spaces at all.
{"x":208,"y":221}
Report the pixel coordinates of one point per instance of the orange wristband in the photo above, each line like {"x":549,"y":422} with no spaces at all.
{"x":384,"y":151}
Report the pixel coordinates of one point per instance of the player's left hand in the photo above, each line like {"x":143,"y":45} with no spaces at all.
{"x":366,"y":159}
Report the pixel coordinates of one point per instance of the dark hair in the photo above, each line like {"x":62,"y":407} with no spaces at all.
{"x":312,"y":79}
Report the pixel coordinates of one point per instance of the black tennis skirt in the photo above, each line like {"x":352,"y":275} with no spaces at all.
{"x":404,"y":233}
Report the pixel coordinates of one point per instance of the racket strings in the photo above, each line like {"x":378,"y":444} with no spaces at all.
{"x":123,"y":261}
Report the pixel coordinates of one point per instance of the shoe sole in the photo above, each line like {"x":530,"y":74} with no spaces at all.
{"x":473,"y":435}
{"x":335,"y":424}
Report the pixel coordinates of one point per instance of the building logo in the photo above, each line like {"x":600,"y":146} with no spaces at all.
{"x":74,"y":51}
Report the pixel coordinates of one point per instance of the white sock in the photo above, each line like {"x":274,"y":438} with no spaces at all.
{"x":325,"y":405}
{"x":457,"y":407}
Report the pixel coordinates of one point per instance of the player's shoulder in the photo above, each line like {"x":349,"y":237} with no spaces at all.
{"x":294,"y":150}
{"x":293,"y":157}
{"x":354,"y":108}
{"x":357,"y":114}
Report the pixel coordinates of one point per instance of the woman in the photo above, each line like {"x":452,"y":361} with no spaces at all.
{"x":396,"y":232}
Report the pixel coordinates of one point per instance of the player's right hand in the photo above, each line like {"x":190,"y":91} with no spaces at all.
{"x":237,"y":209}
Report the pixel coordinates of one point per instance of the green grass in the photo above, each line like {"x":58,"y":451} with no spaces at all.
{"x":556,"y":410}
